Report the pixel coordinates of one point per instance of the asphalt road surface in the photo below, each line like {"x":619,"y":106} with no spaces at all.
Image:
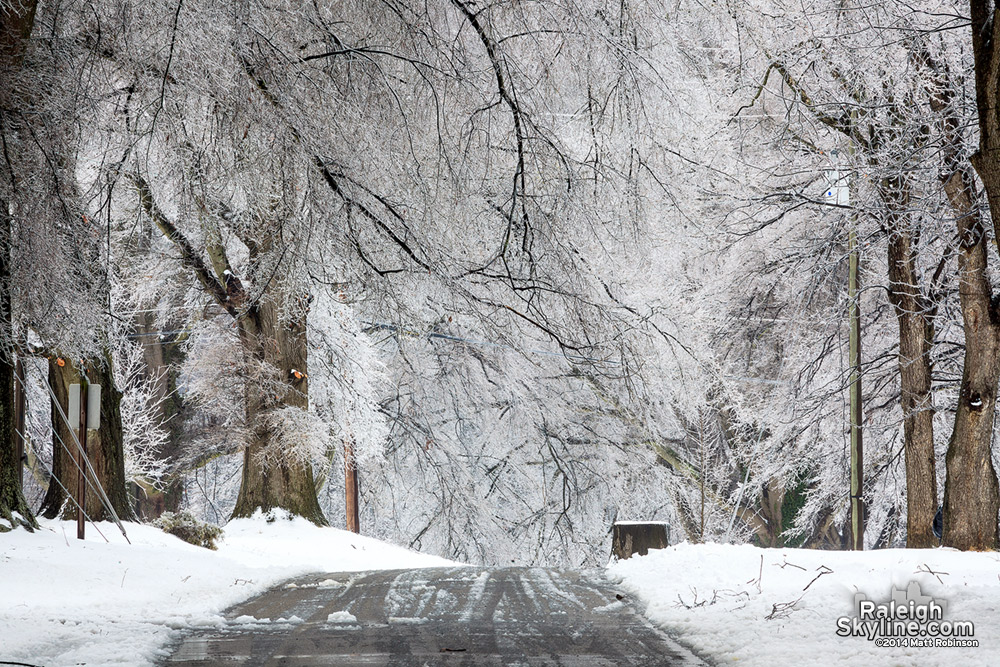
{"x":442,"y":616}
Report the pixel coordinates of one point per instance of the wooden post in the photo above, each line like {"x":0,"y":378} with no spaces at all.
{"x":20,"y":401}
{"x":81,"y":458}
{"x":351,"y":488}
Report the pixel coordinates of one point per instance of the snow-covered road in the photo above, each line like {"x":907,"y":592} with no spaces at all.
{"x":468,"y":616}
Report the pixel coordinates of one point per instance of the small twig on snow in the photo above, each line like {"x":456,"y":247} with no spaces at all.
{"x":787,"y":564}
{"x":760,"y":575}
{"x":782,"y":609}
{"x":925,"y":569}
{"x":823,"y":569}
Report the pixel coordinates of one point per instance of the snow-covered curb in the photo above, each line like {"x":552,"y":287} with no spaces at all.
{"x":67,"y":602}
{"x":766,"y":607}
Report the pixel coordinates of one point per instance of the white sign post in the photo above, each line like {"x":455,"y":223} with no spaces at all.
{"x":87,"y":420}
{"x":93,"y":406}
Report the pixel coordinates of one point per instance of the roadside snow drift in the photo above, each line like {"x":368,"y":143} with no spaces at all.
{"x":765,"y":607}
{"x":70,"y":602}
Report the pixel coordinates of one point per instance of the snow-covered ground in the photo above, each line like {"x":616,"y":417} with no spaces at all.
{"x":66,"y":602}
{"x":70,"y":602}
{"x":748,"y":606}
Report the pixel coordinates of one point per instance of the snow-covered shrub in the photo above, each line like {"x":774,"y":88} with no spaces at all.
{"x":185,"y":526}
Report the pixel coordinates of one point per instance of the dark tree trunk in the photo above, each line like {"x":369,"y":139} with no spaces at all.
{"x":107,"y":448}
{"x":14,"y":510}
{"x":104,"y":448}
{"x":772,"y":498}
{"x":972,"y":497}
{"x":916,"y":336}
{"x":16,"y":22}
{"x":63,"y":468}
{"x":269,"y":342}
{"x":278,"y":482}
{"x":971,"y":494}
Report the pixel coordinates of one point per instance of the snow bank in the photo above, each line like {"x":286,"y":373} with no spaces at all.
{"x":750,"y":606}
{"x":70,"y":602}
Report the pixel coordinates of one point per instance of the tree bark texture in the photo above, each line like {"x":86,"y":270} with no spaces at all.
{"x":772,"y":498}
{"x":275,"y":483}
{"x":916,"y":337}
{"x":105,"y":448}
{"x":972,"y":497}
{"x":14,"y":510}
{"x":16,"y":23}
{"x":270,"y":343}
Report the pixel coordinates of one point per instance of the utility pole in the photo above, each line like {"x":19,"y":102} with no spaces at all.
{"x":857,"y":450}
{"x":839,"y":193}
{"x":351,"y":488}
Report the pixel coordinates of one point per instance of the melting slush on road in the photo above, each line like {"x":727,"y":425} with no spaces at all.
{"x":446,"y":616}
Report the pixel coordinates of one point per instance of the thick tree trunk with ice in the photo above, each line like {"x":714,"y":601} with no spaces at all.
{"x":272,"y":333}
{"x":914,"y":315}
{"x":271,"y":477}
{"x":14,"y":510}
{"x":972,"y":496}
{"x":16,"y":23}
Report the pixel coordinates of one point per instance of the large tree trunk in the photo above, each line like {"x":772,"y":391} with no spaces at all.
{"x":63,"y":468}
{"x":275,"y":481}
{"x":104,"y":449}
{"x":916,"y":336}
{"x":107,"y":448}
{"x":972,"y":497}
{"x":275,"y":361}
{"x":14,"y":510}
{"x":772,"y":499}
{"x":16,"y":22}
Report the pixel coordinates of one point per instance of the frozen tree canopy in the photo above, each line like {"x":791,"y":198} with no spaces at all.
{"x":525,"y":268}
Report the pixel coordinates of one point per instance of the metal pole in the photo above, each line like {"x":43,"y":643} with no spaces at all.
{"x":857,"y":450}
{"x":351,"y":488}
{"x":81,"y":482}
